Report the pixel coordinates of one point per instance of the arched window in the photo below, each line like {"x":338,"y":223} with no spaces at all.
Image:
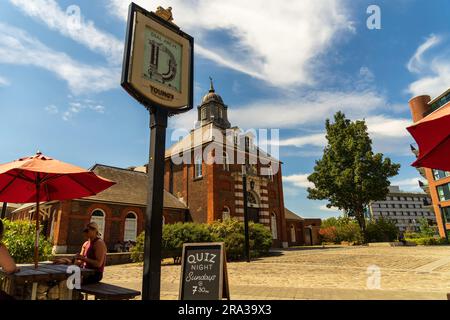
{"x":226,"y":213}
{"x":273,"y":225}
{"x":293,"y":237}
{"x":98,"y":216}
{"x":198,"y":167}
{"x":130,"y":230}
{"x":226,"y":162}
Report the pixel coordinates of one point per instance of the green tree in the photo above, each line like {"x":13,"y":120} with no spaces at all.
{"x":350,"y":175}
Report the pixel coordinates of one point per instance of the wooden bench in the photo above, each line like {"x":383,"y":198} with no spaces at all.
{"x":104,"y":291}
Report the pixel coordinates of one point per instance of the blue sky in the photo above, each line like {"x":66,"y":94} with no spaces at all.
{"x":287,"y":65}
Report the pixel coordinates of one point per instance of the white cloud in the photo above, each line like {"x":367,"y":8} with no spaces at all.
{"x":436,"y":83}
{"x":434,"y":72}
{"x":299,"y":180}
{"x":314,"y":106}
{"x":18,"y":47}
{"x":277,"y":41}
{"x":332,"y":209}
{"x":74,"y":26}
{"x":409,"y":184}
{"x":317,"y":140}
{"x":384,"y":126}
{"x":76,"y":107}
{"x":416,"y":63}
{"x":4,"y":82}
{"x":52,"y":109}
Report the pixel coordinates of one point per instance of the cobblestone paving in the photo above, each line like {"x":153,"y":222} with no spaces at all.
{"x":330,"y":273}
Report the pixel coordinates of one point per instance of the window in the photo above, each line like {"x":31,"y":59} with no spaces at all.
{"x":198,"y":167}
{"x":444,"y":192}
{"x":226,"y":213}
{"x":270,"y":173}
{"x":440,"y":102}
{"x":226,"y":162}
{"x":203,"y":114}
{"x":98,"y":216}
{"x":273,"y":226}
{"x":293,"y":238}
{"x":440,"y":174}
{"x":130,"y":227}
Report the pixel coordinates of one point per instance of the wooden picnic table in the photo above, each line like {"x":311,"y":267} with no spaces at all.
{"x":45,"y":273}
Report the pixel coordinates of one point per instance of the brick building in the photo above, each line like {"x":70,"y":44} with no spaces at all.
{"x":438,"y":186}
{"x":203,"y":182}
{"x":302,"y":231}
{"x":119,"y":211}
{"x":204,"y":170}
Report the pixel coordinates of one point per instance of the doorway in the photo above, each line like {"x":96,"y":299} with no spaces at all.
{"x":253,"y":214}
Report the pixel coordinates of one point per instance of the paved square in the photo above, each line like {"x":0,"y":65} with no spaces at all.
{"x":339,"y":272}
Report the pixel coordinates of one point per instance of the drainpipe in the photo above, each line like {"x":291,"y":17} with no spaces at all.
{"x":444,"y":223}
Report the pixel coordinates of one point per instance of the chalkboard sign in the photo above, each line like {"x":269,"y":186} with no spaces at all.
{"x":204,"y":272}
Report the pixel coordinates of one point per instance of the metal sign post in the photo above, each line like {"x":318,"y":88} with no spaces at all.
{"x":158,"y":72}
{"x":246,"y":231}
{"x":151,"y":283}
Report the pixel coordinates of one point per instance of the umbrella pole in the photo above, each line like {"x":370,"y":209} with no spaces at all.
{"x":36,"y":241}
{"x":4,"y":208}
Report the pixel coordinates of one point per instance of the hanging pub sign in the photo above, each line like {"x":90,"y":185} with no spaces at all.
{"x":158,"y":60}
{"x":204,"y":273}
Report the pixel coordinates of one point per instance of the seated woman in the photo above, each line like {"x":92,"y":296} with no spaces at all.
{"x":93,"y":254}
{"x":6,"y":262}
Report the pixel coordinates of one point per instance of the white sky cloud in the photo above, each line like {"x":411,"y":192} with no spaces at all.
{"x":314,"y":106}
{"x":434,"y":72}
{"x":389,"y":135}
{"x":74,"y":26}
{"x":52,"y":109}
{"x":299,"y":180}
{"x":317,"y":140}
{"x":4,"y":82}
{"x":332,"y":209}
{"x":18,"y":47}
{"x":278,"y":41}
{"x":76,"y":107}
{"x":416,"y":62}
{"x":409,"y":184}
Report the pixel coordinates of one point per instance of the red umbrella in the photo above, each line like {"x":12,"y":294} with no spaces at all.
{"x":432,"y":134}
{"x":40,"y":179}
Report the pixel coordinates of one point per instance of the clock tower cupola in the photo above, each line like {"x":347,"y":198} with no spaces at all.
{"x":213,"y":110}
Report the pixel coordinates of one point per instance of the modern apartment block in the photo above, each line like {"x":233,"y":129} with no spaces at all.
{"x":404,"y":208}
{"x":438,"y":185}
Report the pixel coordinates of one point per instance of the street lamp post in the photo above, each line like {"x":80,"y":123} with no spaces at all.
{"x":244,"y":190}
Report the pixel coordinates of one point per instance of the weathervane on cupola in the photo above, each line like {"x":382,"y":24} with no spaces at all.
{"x":212,"y":109}
{"x":211,"y":87}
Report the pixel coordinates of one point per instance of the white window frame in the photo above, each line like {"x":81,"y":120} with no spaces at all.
{"x":226,"y":161}
{"x":274,"y":226}
{"x":198,"y":167}
{"x":226,"y":213}
{"x":293,"y":235}
{"x":132,"y":234}
{"x":99,"y":220}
